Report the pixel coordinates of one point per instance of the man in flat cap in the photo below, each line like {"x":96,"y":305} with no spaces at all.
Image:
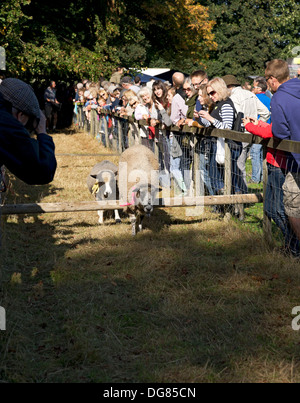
{"x":127,"y":83}
{"x":25,"y":148}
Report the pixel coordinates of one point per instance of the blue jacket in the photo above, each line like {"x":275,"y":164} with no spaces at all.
{"x":265,"y":100}
{"x":285,"y":110}
{"x":32,"y":161}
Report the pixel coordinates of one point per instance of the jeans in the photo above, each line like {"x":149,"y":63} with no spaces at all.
{"x":241,"y":162}
{"x":274,"y":207}
{"x":204,"y":163}
{"x":186,"y":159}
{"x":216,"y":171}
{"x":256,"y":154}
{"x":238,"y":183}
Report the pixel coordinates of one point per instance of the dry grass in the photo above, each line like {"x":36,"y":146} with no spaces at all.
{"x":190,"y":299}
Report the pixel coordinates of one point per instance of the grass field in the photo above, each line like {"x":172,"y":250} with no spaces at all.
{"x":190,"y":299}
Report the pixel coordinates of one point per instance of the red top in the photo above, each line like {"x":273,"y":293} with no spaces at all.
{"x":274,"y":157}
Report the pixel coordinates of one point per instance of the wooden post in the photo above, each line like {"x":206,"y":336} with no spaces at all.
{"x":105,"y":131}
{"x":130,"y":136}
{"x":227,"y":168}
{"x":119,"y":143}
{"x":92,"y":127}
{"x":197,"y":174}
{"x":267,"y":224}
{"x":80,"y":123}
{"x":155,"y":142}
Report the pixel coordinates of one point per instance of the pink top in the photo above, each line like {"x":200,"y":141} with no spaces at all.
{"x":178,"y":108}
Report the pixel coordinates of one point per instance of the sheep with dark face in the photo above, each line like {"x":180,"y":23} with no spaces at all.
{"x":138,"y":183}
{"x":102,"y":182}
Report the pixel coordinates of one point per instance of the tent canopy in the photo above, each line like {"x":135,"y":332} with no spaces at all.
{"x":167,"y":76}
{"x":145,"y":78}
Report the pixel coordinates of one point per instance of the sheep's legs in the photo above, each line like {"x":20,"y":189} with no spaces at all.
{"x":133,"y":224}
{"x":100,"y":214}
{"x":141,"y":223}
{"x":117,"y":217}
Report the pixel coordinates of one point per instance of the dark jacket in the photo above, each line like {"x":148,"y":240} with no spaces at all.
{"x":285,"y":112}
{"x":32,"y":161}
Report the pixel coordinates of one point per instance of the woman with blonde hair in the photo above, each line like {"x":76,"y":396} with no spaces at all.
{"x":222,"y":117}
{"x":146,"y":110}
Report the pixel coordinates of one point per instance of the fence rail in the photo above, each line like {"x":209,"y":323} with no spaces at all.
{"x":118,"y":133}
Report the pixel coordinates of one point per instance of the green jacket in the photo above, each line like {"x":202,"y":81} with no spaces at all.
{"x":191,"y":103}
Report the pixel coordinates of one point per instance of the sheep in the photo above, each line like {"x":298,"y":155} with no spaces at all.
{"x":138,"y":183}
{"x":102,"y":182}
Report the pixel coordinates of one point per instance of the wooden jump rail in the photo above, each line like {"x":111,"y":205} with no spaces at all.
{"x":40,"y":208}
{"x":196,"y":134}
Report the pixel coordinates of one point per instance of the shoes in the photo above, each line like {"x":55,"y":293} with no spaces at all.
{"x":288,"y":252}
{"x":252,"y":181}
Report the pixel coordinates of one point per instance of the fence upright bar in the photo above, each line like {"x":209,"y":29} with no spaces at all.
{"x":105,"y":132}
{"x":267,"y":224}
{"x":120,"y":137}
{"x":227,"y":168}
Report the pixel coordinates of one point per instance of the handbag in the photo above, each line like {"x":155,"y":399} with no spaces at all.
{"x":220,"y":154}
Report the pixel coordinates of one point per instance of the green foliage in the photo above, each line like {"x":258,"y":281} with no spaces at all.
{"x":76,"y":39}
{"x":286,"y":15}
{"x":243,"y":36}
{"x":251,"y":32}
{"x":89,"y":39}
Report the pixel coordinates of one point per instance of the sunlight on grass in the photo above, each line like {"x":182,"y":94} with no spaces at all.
{"x":190,"y":299}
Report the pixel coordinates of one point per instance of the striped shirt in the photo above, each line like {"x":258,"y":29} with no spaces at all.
{"x":227,"y":116}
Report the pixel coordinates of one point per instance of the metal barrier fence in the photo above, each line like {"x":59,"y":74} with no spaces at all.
{"x":188,"y":165}
{"x":190,"y":169}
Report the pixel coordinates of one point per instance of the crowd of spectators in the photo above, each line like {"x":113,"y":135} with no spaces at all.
{"x":197,"y":100}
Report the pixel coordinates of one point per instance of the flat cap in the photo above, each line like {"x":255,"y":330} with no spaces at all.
{"x":111,"y":88}
{"x":126,"y":80}
{"x":21,"y":96}
{"x":230,"y":80}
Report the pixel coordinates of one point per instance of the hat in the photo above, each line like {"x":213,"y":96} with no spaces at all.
{"x":126,"y":80}
{"x":79,"y":86}
{"x":231,"y":80}
{"x":21,"y":96}
{"x":111,"y":89}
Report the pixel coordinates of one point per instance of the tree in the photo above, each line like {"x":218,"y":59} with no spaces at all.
{"x":181,"y":32}
{"x":88,"y":38}
{"x":243,"y":34}
{"x":286,"y":23}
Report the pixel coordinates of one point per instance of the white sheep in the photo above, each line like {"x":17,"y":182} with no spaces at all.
{"x":102,"y":183}
{"x":138,"y":183}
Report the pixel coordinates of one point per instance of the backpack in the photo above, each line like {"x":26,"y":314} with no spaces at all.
{"x":238,"y":125}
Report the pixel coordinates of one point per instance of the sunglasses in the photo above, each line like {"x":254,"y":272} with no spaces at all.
{"x":211,"y":93}
{"x":187,"y":89}
{"x":197,"y":84}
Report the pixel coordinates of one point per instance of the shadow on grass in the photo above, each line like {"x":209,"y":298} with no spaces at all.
{"x":201,"y":302}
